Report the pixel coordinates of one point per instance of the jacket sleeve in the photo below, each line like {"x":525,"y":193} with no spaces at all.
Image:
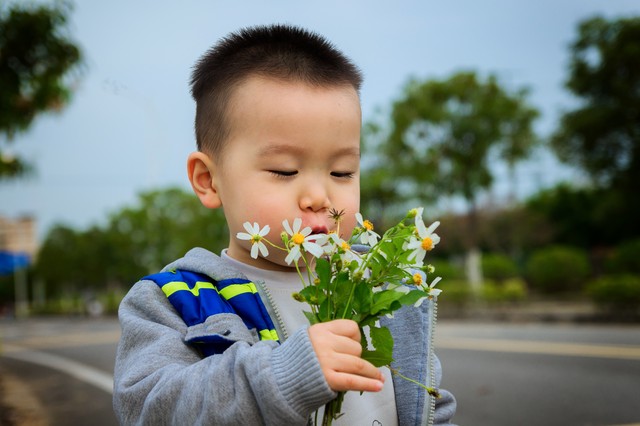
{"x":158,"y":379}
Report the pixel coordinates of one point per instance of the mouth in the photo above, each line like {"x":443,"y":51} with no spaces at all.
{"x":319,"y":230}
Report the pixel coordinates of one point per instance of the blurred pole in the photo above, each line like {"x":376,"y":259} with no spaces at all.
{"x":19,"y":267}
{"x":473,"y":269}
{"x":20,"y":287}
{"x":38,"y":294}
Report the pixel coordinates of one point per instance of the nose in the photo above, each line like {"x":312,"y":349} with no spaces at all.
{"x":314,"y":196}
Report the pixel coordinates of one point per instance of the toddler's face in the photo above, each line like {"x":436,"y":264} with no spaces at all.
{"x":293,"y":151}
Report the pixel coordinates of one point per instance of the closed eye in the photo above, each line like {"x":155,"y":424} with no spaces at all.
{"x":284,"y":173}
{"x":345,"y":175}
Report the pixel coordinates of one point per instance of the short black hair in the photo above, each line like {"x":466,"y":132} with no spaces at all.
{"x":282,"y":52}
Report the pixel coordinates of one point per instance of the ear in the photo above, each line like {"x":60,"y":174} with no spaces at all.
{"x":201,"y":171}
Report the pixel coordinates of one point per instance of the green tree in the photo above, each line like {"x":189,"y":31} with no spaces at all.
{"x":137,"y":240}
{"x":58,"y":260}
{"x":602,"y":135}
{"x":558,"y":269}
{"x":379,"y":196}
{"x":443,"y":138}
{"x":444,"y":135}
{"x":36,"y":58}
{"x":163,"y":226}
{"x":572,"y":213}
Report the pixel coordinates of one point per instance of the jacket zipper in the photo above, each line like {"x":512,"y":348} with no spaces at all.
{"x":432,"y":378}
{"x":276,"y":312}
{"x":428,"y":414}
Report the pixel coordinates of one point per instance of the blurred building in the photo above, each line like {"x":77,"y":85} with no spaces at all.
{"x":18,"y":235}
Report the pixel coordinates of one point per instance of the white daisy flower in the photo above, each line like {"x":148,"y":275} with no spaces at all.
{"x":425,"y":241}
{"x":419,"y":279}
{"x":343,"y":248}
{"x":255,"y":235}
{"x":367,"y":237}
{"x":301,"y":240}
{"x":434,"y":292}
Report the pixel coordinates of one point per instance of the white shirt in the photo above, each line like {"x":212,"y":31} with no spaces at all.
{"x":370,"y":408}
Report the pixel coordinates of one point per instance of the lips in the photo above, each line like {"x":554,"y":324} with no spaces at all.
{"x":319,"y":229}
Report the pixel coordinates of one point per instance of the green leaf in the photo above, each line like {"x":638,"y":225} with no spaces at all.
{"x":313,"y":319}
{"x":312,"y":295}
{"x":412,"y":297}
{"x":323,"y":270}
{"x":382,"y":342}
{"x":362,"y":298}
{"x":383,"y":301}
{"x":342,"y":287}
{"x":326,"y":310}
{"x":322,"y":275}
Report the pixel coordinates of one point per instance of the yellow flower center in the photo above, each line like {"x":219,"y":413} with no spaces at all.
{"x":345,"y":246}
{"x":427,"y":244}
{"x":297,"y":238}
{"x":367,"y":225}
{"x":255,"y":239}
{"x":417,"y":279}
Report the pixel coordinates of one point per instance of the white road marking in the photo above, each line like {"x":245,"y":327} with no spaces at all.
{"x":67,"y":340}
{"x":540,"y":347}
{"x":75,"y":369}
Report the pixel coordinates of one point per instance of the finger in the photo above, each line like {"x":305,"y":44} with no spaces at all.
{"x":336,"y":337}
{"x":354,"y":365}
{"x":339,"y":381}
{"x":346,"y":345}
{"x":344,"y":327}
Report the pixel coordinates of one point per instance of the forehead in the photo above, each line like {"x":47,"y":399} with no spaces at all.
{"x":283,"y":112}
{"x":279,"y":95}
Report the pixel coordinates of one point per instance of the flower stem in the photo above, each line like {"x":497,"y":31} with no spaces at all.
{"x":274,"y":245}
{"x":332,"y":410}
{"x":431,"y":391}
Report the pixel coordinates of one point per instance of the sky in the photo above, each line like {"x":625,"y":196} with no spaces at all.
{"x":129,"y":126}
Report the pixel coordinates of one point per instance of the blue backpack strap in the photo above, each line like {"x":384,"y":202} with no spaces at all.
{"x":196,"y":297}
{"x":245,"y":300}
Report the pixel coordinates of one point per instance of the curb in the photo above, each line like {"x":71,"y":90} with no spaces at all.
{"x":541,"y":312}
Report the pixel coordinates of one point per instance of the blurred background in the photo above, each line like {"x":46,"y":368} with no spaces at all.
{"x":516,"y":124}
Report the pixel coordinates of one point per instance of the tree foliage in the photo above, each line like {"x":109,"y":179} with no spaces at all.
{"x":36,"y":56}
{"x":573,"y":213}
{"x":602,"y":135}
{"x":513,"y":230}
{"x":444,"y":136}
{"x":558,"y":269}
{"x":137,"y":240}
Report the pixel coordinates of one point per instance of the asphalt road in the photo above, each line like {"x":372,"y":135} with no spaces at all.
{"x":501,"y":374}
{"x":532,"y":374}
{"x":66,"y":363}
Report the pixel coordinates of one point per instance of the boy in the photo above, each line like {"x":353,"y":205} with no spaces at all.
{"x":219,"y":340}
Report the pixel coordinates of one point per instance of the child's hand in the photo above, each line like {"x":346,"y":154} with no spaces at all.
{"x":337,"y":346}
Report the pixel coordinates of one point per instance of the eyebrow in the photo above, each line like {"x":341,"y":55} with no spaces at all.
{"x":296,"y":150}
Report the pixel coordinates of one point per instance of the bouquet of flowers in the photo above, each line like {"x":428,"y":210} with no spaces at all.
{"x":362,"y":278}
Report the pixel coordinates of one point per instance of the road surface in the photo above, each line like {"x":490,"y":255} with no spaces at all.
{"x":501,"y":374}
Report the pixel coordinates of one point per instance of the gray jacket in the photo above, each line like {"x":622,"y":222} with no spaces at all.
{"x":158,"y":379}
